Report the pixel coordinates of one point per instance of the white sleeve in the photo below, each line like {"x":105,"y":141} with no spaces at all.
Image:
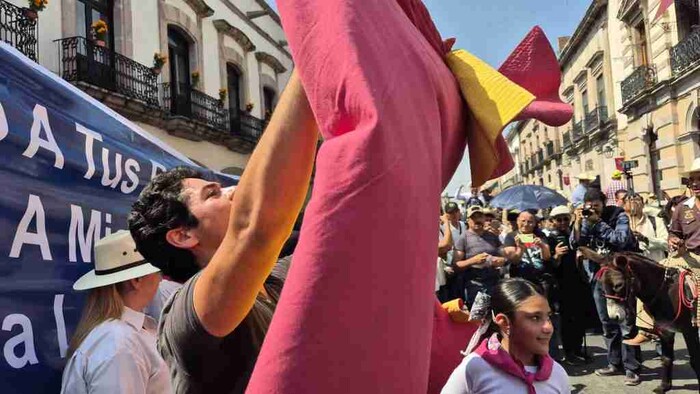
{"x":123,"y":373}
{"x":457,"y":383}
{"x":73,"y":381}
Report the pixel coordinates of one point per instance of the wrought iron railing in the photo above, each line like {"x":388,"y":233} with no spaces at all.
{"x":596,"y":118}
{"x":686,"y":53}
{"x":19,"y":30}
{"x":246,"y":126}
{"x":181,"y":99}
{"x":81,"y":60}
{"x":638,"y":82}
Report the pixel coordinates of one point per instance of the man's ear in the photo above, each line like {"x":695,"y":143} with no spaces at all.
{"x":182,"y":238}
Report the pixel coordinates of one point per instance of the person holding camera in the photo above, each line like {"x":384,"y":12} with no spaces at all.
{"x":599,"y":231}
{"x":572,"y":288}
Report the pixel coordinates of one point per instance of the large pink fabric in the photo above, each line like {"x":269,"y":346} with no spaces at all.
{"x":356,"y":314}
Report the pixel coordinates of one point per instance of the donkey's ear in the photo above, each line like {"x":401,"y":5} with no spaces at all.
{"x":619,"y":261}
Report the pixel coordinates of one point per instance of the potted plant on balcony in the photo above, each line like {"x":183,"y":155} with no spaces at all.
{"x":249,"y":107}
{"x":32,"y":12}
{"x":222,"y":95}
{"x":99,"y":32}
{"x":159,"y":60}
{"x":195,"y":78}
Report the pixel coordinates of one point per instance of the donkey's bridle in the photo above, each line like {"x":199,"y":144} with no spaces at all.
{"x":630,"y":281}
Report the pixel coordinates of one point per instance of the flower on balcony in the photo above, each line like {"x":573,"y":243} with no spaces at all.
{"x":159,"y":60}
{"x":222,"y":94}
{"x":38,"y":5}
{"x":99,"y":30}
{"x":249,"y":107}
{"x":195,"y":78}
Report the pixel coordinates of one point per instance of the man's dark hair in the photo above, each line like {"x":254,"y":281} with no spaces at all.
{"x":594,"y":195}
{"x":617,"y":193}
{"x":161,"y":207}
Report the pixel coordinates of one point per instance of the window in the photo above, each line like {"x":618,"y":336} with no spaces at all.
{"x":179,"y":59}
{"x":584,"y":103}
{"x":600,"y":90}
{"x":88,"y":12}
{"x":269,"y":97}
{"x":641,"y":56}
{"x":233,"y":76}
{"x":686,"y":17}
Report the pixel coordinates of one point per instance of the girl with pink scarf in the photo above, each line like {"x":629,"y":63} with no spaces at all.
{"x":511,"y":354}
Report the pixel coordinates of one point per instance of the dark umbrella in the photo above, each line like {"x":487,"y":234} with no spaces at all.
{"x":524,"y":197}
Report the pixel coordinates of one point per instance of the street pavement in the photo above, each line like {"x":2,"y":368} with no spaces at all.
{"x":584,"y":380}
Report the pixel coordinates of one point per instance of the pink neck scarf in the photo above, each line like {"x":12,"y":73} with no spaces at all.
{"x":491,"y":351}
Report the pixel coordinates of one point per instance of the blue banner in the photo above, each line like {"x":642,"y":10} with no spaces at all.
{"x":70,"y":168}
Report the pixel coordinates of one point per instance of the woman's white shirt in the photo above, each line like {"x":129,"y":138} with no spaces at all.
{"x":476,"y":376}
{"x":118,"y":356}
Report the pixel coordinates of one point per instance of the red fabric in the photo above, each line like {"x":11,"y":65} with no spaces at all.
{"x":448,"y":339}
{"x":663,"y":6}
{"x":534,"y":66}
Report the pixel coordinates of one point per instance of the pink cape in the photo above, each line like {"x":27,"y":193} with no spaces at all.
{"x":356,"y":314}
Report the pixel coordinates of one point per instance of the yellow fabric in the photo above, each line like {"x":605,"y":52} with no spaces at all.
{"x":494,"y":101}
{"x":454,"y":309}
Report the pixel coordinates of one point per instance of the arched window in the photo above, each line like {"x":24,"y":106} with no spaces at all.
{"x":233,"y":76}
{"x":179,"y":59}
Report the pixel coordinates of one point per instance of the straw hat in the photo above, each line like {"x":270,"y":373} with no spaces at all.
{"x":116,"y":260}
{"x":560,"y":210}
{"x":586,"y":176}
{"x":695,"y":167}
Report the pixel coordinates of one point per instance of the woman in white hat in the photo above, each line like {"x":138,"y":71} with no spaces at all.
{"x":113,"y":349}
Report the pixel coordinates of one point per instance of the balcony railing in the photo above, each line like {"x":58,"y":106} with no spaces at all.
{"x":596,"y":118}
{"x":686,"y":54}
{"x":81,"y":60}
{"x":18,"y":30}
{"x":181,"y":99}
{"x":552,"y":148}
{"x":638,"y":82}
{"x":246,"y":126}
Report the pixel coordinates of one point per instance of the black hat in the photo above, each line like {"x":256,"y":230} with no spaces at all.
{"x":451,"y":207}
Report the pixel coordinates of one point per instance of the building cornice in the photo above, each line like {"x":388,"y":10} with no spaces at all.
{"x":271,"y":61}
{"x":582,"y":29}
{"x":241,"y":38}
{"x":257,"y":28}
{"x":270,"y":11}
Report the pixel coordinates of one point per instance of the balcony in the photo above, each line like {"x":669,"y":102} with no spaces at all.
{"x":245,"y":126}
{"x":183,"y":100}
{"x":596,"y":118}
{"x":643,"y":78}
{"x":552,"y":150}
{"x":81,"y":60}
{"x":686,"y":54}
{"x":18,"y":30}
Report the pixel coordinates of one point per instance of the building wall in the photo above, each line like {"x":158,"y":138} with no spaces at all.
{"x":140,"y":29}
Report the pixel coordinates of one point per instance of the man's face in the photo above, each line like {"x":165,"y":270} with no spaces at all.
{"x":476,"y":222}
{"x":211,"y":208}
{"x":620,"y":199}
{"x":455,"y":215}
{"x":475,"y":191}
{"x":597,"y":206}
{"x":561,"y":223}
{"x":585,"y":182}
{"x":526,"y":223}
{"x":694,"y":183}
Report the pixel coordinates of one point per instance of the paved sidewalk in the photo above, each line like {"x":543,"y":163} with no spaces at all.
{"x":584,"y":380}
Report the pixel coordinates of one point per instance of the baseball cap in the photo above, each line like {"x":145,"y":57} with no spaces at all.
{"x":451,"y":207}
{"x":474,"y":209}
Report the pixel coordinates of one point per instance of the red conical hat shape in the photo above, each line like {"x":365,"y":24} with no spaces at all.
{"x":534,"y":66}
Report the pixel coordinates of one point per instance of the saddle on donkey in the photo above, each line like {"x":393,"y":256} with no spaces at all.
{"x":689,"y":265}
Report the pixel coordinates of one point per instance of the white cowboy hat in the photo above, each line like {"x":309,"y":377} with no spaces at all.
{"x":586,"y":176}
{"x":695,"y":167}
{"x":116,"y":260}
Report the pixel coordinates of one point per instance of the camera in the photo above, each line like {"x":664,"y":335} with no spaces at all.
{"x":587,"y":211}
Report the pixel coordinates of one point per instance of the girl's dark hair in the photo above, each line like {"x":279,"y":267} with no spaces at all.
{"x":507,"y":296}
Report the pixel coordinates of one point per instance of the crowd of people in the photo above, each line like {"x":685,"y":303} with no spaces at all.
{"x":560,"y":251}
